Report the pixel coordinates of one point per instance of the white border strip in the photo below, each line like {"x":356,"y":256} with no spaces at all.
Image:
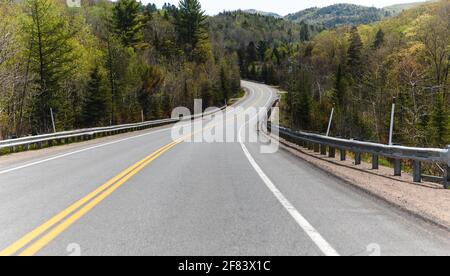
{"x":315,"y":236}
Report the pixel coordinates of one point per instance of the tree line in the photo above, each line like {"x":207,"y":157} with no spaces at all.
{"x":358,"y":70}
{"x":106,"y":63}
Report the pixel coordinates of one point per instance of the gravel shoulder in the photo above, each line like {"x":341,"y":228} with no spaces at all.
{"x":425,"y":200}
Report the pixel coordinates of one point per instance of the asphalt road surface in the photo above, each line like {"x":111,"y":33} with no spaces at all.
{"x":147,"y":194}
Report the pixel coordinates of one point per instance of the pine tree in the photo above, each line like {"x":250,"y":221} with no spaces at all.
{"x":95,"y":107}
{"x":379,"y":39}
{"x":151,"y":79}
{"x":339,"y":88}
{"x":52,"y":58}
{"x":252,"y":53}
{"x":304,"y":32}
{"x":191,"y":25}
{"x":128,"y":22}
{"x":355,"y":54}
{"x":224,"y":84}
{"x":440,"y":122}
{"x":262,"y":48}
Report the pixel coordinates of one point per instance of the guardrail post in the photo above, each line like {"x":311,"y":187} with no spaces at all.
{"x":417,"y":171}
{"x":310,"y":146}
{"x":323,"y":149}
{"x":447,"y":177}
{"x":375,"y":162}
{"x":332,"y":152}
{"x":316,"y":148}
{"x":397,"y":167}
{"x":357,"y":158}
{"x":343,"y":154}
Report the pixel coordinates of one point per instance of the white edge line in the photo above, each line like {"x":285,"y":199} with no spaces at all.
{"x":314,"y":235}
{"x":90,"y":148}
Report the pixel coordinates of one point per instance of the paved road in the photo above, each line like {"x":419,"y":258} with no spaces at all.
{"x":144,"y":194}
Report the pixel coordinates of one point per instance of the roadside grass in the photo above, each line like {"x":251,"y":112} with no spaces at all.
{"x":239,"y":95}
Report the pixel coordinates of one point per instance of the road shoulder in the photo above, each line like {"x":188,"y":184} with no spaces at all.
{"x":427,"y":201}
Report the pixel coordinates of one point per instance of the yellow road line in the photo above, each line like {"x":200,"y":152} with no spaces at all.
{"x":89,"y":202}
{"x":57,"y":218}
{"x":50,"y":236}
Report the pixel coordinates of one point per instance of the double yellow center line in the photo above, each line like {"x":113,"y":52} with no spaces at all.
{"x":40,"y":237}
{"x":81,"y":207}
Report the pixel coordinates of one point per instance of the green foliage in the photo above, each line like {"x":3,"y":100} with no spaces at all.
{"x":128,"y":22}
{"x":96,"y":102}
{"x":354,"y":54}
{"x":191,"y":27}
{"x":106,"y":63}
{"x":52,"y":57}
{"x":304,"y":32}
{"x":379,"y":39}
{"x":339,"y":15}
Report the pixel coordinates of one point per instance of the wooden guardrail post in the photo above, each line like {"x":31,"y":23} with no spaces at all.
{"x":331,"y":152}
{"x":323,"y":149}
{"x":357,"y":158}
{"x":447,"y":177}
{"x":343,"y":154}
{"x":417,"y":171}
{"x":316,"y":148}
{"x":397,"y":167}
{"x":375,"y":162}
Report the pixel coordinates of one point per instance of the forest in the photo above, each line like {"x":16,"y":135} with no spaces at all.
{"x":358,"y":70}
{"x":105,"y":63}
{"x":119,"y":62}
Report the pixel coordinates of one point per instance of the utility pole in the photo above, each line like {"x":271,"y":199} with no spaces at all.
{"x":329,"y":123}
{"x":391,"y":130}
{"x":53,"y":120}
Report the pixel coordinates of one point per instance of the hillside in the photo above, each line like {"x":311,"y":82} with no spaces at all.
{"x":253,"y":11}
{"x":396,"y":9}
{"x":338,"y":15}
{"x":233,"y":30}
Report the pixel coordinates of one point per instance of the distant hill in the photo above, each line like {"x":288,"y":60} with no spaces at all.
{"x":252,"y":11}
{"x":396,"y":9}
{"x":338,"y":15}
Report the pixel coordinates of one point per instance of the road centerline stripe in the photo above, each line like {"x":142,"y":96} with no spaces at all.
{"x":12,"y":249}
{"x":76,"y":211}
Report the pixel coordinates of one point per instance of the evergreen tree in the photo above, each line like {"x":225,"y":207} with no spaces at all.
{"x":379,"y":39}
{"x":339,"y":93}
{"x":191,"y":25}
{"x":440,"y":122}
{"x":262,"y":48}
{"x":304,"y":32}
{"x":355,"y":54}
{"x":95,"y":108}
{"x":224,"y":84}
{"x":128,"y":22}
{"x":52,"y":58}
{"x":252,"y":53}
{"x":151,"y":80}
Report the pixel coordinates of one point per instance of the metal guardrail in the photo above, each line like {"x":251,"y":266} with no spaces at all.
{"x":328,"y":145}
{"x":39,"y":141}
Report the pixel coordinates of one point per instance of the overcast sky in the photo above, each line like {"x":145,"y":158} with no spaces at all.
{"x":282,"y":7}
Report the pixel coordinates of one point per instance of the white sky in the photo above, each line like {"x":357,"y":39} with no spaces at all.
{"x":282,"y":7}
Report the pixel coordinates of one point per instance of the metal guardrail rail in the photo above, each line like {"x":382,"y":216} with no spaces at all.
{"x":328,"y":145}
{"x":39,"y":141}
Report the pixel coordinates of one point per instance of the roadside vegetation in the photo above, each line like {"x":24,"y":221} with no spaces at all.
{"x":105,"y":63}
{"x":111,"y":63}
{"x":358,"y":71}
